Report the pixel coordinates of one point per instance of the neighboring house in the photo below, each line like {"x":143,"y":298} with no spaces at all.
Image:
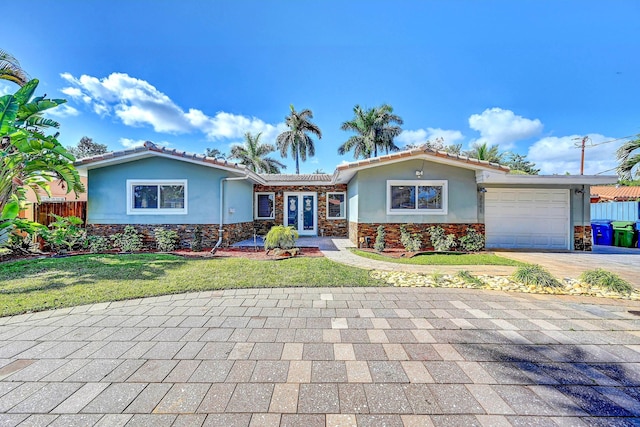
{"x":58,"y":194}
{"x":151,"y":186}
{"x":614,"y":193}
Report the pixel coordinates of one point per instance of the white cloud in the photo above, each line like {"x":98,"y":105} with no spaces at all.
{"x":420,"y":136}
{"x":558,"y":155}
{"x":138,"y":103}
{"x":62,"y":111}
{"x":498,"y":126}
{"x":132,"y":143}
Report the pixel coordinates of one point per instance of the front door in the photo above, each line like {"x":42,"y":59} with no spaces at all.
{"x":301,"y":213}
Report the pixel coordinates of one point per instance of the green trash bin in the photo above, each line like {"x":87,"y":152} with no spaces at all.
{"x":623,"y":233}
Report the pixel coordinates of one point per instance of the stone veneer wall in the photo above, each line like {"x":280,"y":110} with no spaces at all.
{"x":232,"y":232}
{"x":392,"y":232}
{"x":328,"y":227}
{"x":582,"y":238}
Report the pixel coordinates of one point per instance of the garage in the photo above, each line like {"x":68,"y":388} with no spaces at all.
{"x":517,"y":218}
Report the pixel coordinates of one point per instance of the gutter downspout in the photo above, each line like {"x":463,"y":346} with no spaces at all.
{"x":220,"y":229}
{"x":584,"y":232}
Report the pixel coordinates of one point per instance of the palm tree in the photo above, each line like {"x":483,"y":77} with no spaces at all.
{"x":484,"y":152}
{"x":628,"y":160}
{"x":297,"y":138}
{"x":374,"y":130}
{"x":11,"y":70}
{"x":253,"y":154}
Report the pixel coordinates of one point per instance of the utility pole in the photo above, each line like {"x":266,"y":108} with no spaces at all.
{"x":582,"y":145}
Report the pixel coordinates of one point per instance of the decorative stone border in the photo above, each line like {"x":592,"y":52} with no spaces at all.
{"x":496,"y":283}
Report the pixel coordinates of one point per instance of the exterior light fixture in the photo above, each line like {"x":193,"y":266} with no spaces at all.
{"x":419,"y":174}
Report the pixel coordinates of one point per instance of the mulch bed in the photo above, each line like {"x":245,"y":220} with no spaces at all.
{"x":187,"y":253}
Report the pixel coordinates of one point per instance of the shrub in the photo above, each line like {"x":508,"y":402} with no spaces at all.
{"x":166,"y":240}
{"x":440,"y":241}
{"x":469,"y":278}
{"x":472,"y":241}
{"x":97,"y":244}
{"x":129,"y":241}
{"x":280,"y":237}
{"x":379,"y":245}
{"x":411,"y":242}
{"x":607,"y":280}
{"x":21,"y":238}
{"x":64,"y":234}
{"x":533,"y":274}
{"x":196,"y":242}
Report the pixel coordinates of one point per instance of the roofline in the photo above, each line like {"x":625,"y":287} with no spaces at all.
{"x":496,"y":178}
{"x":151,"y":150}
{"x":307,"y":183}
{"x":345,"y":172}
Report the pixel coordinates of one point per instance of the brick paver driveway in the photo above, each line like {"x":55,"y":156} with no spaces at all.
{"x":316,"y":357}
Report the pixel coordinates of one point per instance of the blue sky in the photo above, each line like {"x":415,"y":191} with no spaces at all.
{"x":528,"y":75}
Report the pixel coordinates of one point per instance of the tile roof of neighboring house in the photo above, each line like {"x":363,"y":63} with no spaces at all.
{"x":422,"y":151}
{"x":616,"y":193}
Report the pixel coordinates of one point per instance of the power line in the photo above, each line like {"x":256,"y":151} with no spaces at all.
{"x":613,"y":140}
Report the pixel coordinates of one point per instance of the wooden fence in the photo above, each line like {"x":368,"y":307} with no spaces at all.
{"x":43,"y":210}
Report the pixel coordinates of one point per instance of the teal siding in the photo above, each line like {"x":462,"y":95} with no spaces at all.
{"x":372,"y":187}
{"x":107,"y":192}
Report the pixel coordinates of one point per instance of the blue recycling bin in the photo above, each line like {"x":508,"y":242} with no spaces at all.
{"x":602,"y":232}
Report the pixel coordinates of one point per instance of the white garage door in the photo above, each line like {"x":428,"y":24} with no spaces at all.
{"x":528,"y":219}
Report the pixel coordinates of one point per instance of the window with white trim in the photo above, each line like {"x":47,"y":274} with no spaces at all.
{"x":157,"y":197}
{"x":336,"y":205}
{"x":417,"y":197}
{"x":265,"y":205}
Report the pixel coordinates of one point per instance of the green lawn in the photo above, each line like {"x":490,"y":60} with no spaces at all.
{"x":43,"y":284}
{"x":443,"y":259}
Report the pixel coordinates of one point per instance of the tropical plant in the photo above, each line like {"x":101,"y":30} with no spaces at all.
{"x":606,"y":280}
{"x":28,"y":157}
{"x":87,"y":148}
{"x":296,"y":138}
{"x":166,"y":240}
{"x":64,"y":234}
{"x":469,"y":278}
{"x":11,"y":70}
{"x":533,"y":274}
{"x":280,"y":237}
{"x":20,"y":239}
{"x":482,"y":151}
{"x":374,"y":130}
{"x":472,"y":241}
{"x":441,"y":241}
{"x":629,"y":159}
{"x":380,"y":244}
{"x":128,"y":241}
{"x":254,"y":155}
{"x":411,"y":242}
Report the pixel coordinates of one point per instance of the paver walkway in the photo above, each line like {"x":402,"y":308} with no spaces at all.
{"x":331,"y":356}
